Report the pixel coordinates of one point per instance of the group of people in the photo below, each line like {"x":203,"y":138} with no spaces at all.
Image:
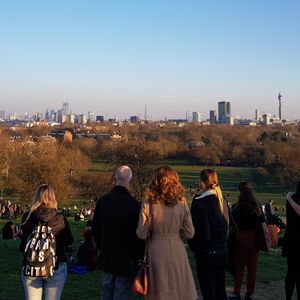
{"x":120,"y":226}
{"x":9,"y":210}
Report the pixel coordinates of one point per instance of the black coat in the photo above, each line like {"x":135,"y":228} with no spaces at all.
{"x":59,"y":226}
{"x":211,"y":228}
{"x":114,"y":228}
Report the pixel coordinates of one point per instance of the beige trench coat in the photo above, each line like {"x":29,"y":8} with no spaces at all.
{"x":170,"y":275}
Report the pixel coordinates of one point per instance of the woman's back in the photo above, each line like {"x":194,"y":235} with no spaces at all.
{"x":170,"y":274}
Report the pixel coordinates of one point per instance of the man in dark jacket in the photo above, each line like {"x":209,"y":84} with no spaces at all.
{"x":114,"y":229}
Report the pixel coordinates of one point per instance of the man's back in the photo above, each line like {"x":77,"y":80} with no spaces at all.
{"x":114,"y":228}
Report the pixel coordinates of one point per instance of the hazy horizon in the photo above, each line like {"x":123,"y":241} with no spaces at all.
{"x":173,"y":56}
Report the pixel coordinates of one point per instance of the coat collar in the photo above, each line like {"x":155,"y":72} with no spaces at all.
{"x":204,"y":194}
{"x":120,"y":188}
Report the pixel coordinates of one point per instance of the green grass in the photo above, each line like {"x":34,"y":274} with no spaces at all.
{"x":272,"y":267}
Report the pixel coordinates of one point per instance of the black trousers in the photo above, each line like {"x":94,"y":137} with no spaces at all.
{"x":211,"y":275}
{"x":293,"y":275}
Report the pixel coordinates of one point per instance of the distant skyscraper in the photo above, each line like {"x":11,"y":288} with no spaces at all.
{"x":91,"y":116}
{"x":224,"y":111}
{"x":197,"y":116}
{"x":212,"y":117}
{"x":145,"y":113}
{"x":100,"y":119}
{"x":258,"y":115}
{"x":52,"y":115}
{"x":47,"y":115}
{"x":82,"y":119}
{"x":266,"y":119}
{"x":279,"y":99}
{"x":65,"y":110}
{"x":40,"y":116}
{"x":134,"y":119}
{"x":71,"y":118}
{"x":2,"y":114}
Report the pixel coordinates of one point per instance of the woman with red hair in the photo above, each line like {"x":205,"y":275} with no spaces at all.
{"x":170,"y":275}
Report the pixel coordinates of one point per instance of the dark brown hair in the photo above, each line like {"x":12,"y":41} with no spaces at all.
{"x":247,"y":198}
{"x":165,"y":186}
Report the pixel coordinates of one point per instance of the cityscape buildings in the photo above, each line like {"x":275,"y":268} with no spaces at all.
{"x":197,"y":117}
{"x":64,"y":115}
{"x":212,"y":117}
{"x":224,"y":112}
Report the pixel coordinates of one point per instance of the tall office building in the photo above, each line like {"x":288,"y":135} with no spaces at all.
{"x":82,"y":119}
{"x":47,"y":115}
{"x":267,"y":119}
{"x":65,"y":110}
{"x":71,"y":118}
{"x":196,"y":117}
{"x":134,"y":119}
{"x":224,"y":111}
{"x":100,"y":119}
{"x":52,"y":115}
{"x":2,"y":114}
{"x":212,"y":117}
{"x":258,"y":115}
{"x":91,"y":116}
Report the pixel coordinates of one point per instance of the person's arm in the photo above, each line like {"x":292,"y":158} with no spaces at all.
{"x":294,"y":205}
{"x":96,"y":230}
{"x":138,"y":245}
{"x":67,"y":234}
{"x":26,"y":228}
{"x":187,"y":230}
{"x":143,"y":224}
{"x":201,"y":225}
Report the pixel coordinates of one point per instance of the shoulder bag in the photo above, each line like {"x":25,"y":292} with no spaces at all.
{"x":141,"y":280}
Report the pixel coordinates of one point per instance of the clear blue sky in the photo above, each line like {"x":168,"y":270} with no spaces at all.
{"x":113,"y":57}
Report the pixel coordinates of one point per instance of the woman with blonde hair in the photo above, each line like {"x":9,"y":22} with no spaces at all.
{"x":44,"y":211}
{"x":170,"y":275}
{"x":210,"y":218}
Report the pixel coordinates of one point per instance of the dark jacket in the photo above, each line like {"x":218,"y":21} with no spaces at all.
{"x":246,"y":218}
{"x":114,"y":228}
{"x":57,"y":222}
{"x":211,"y":228}
{"x":291,"y":245}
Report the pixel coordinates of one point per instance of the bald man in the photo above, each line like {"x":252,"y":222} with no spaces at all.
{"x":114,"y":229}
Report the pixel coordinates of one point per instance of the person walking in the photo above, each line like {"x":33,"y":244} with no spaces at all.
{"x":210,"y":218}
{"x":170,"y":275}
{"x":114,"y":229}
{"x":247,"y":214}
{"x":291,"y":244}
{"x":44,"y":210}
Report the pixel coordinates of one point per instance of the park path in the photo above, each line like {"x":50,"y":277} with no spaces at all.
{"x":267,"y":291}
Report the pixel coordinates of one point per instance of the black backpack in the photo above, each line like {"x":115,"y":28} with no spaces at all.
{"x":40,"y":252}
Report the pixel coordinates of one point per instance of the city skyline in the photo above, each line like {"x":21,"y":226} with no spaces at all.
{"x":115,"y":58}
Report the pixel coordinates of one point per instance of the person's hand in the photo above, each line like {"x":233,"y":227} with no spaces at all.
{"x":289,"y":196}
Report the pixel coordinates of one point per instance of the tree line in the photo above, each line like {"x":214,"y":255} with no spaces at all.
{"x":68,"y":164}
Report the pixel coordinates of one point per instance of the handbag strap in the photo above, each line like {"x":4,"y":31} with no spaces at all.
{"x":150,"y":228}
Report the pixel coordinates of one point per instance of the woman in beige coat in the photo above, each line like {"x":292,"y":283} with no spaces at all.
{"x":170,"y":275}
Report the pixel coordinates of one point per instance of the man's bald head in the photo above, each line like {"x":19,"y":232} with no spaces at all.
{"x":124,"y":176}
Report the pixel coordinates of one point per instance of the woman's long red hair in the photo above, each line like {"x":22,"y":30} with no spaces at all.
{"x":165,"y":187}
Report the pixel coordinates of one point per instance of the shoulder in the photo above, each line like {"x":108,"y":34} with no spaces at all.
{"x":205,"y":198}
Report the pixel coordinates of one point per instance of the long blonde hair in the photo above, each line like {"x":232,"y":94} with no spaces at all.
{"x":209,"y":181}
{"x":44,"y":197}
